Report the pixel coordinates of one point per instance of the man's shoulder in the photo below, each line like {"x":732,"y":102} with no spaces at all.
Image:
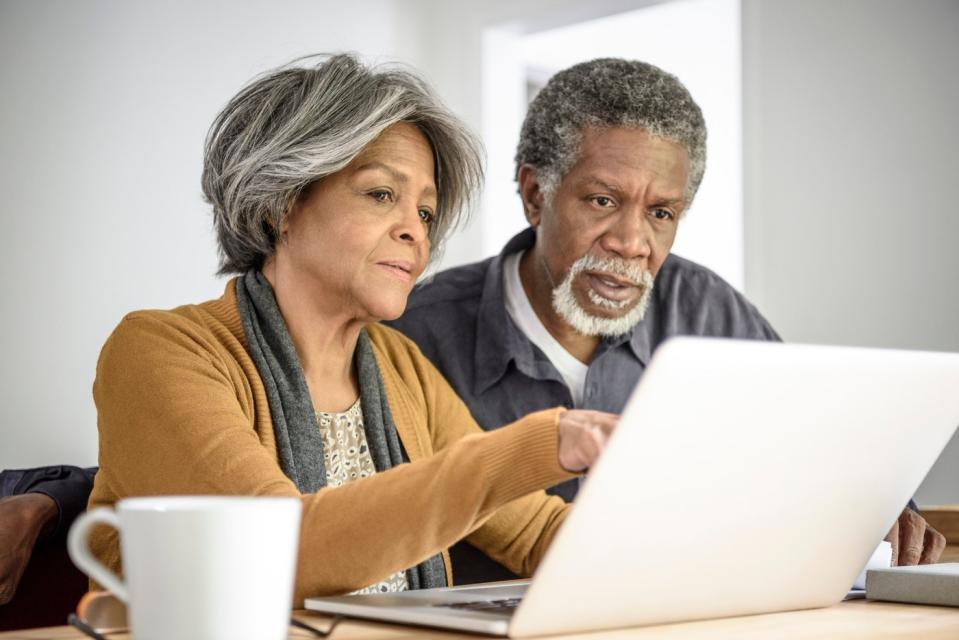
{"x":441,"y":314}
{"x":449,"y":287}
{"x":692,"y":299}
{"x":678,"y":271}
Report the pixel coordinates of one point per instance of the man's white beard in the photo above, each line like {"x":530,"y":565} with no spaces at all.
{"x":567,"y":306}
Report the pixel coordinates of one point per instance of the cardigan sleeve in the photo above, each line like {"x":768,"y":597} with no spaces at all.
{"x":518,"y":533}
{"x":172,"y":420}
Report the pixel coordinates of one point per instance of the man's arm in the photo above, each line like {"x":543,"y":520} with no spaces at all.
{"x":36,"y":504}
{"x":23,"y":519}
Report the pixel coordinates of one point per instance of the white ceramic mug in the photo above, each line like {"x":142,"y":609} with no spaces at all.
{"x":210,"y":567}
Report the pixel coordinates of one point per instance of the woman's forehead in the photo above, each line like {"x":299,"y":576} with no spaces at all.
{"x":403,"y":141}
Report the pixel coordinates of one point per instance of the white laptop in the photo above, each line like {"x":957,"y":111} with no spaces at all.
{"x":744,"y":477}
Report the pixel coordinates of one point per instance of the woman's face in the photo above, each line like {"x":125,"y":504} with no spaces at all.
{"x":356,"y":241}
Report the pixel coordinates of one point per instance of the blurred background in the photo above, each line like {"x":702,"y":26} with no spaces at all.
{"x":828,"y":196}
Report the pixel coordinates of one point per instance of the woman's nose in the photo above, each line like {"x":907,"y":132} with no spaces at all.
{"x":411,"y":227}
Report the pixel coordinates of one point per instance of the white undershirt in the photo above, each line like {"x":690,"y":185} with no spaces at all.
{"x":521,"y":311}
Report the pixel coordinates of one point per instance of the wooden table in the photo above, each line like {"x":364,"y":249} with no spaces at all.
{"x":855,"y":619}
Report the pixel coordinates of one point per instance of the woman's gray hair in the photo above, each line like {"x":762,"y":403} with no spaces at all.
{"x":608,"y":92}
{"x":294,"y":125}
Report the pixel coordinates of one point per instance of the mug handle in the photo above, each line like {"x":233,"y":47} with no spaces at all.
{"x":77,"y":545}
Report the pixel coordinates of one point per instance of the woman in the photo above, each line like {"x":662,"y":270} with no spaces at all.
{"x":329,"y":187}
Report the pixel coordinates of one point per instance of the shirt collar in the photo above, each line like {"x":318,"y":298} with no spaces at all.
{"x":499,"y":340}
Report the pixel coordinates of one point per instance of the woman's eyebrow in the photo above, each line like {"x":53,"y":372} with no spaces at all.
{"x":376,"y":164}
{"x":373,"y":165}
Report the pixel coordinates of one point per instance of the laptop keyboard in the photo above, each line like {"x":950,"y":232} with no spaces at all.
{"x":504,"y":606}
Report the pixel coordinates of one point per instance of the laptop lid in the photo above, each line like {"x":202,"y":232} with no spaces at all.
{"x":744,"y":477}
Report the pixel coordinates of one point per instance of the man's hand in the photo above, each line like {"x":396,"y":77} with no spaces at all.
{"x":23,"y":519}
{"x":914,"y":541}
{"x":582,"y":437}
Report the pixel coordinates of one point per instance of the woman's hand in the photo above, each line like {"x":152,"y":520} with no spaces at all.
{"x":582,"y":437}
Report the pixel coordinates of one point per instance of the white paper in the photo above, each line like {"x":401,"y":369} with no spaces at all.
{"x":881,"y":559}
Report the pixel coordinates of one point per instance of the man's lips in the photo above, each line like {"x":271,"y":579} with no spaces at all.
{"x":401,"y":269}
{"x":612,"y":287}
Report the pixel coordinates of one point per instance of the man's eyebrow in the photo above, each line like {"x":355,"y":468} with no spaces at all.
{"x":672,"y":202}
{"x":396,"y":175}
{"x":612,"y":187}
{"x":598,"y":182}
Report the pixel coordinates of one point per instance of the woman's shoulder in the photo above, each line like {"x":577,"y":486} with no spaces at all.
{"x":401,"y":359}
{"x":198,"y":327}
{"x":400,"y":351}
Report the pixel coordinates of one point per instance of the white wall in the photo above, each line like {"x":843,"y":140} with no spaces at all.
{"x":851,"y":161}
{"x":104,"y":108}
{"x":849,"y":157}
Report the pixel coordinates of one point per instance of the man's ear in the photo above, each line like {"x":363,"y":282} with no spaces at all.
{"x":531,"y":194}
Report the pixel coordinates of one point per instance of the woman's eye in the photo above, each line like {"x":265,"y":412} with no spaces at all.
{"x":427,"y":216}
{"x":381,"y":195}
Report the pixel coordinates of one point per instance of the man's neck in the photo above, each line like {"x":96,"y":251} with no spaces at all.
{"x":538,"y":285}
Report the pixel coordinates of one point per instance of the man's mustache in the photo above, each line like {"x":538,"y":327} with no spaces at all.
{"x":631,"y":272}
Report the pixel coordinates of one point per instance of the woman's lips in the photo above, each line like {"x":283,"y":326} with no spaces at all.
{"x":612,"y":287}
{"x":400,"y":269}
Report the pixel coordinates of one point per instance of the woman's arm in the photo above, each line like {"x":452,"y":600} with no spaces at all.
{"x":518,"y":533}
{"x":174,"y":418}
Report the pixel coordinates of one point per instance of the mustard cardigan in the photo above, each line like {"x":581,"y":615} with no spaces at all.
{"x":181,"y":409}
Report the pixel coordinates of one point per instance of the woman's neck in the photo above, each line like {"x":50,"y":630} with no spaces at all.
{"x":325,"y":341}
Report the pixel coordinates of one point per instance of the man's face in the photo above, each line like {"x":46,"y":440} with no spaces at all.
{"x":609,"y":227}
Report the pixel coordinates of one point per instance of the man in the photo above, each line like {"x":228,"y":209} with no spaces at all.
{"x":610,"y":157}
{"x":36,"y":506}
{"x":569,"y":313}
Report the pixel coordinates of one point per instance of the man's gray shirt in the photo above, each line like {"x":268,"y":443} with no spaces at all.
{"x":460,"y":322}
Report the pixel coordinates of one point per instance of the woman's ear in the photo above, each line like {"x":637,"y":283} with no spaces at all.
{"x":277,"y":231}
{"x":531,"y":194}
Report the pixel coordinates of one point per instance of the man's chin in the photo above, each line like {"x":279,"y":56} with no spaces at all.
{"x":601,"y":321}
{"x":587,"y":311}
{"x":605,"y":312}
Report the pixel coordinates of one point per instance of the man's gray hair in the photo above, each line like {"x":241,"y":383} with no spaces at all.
{"x":608,"y":92}
{"x":294,"y":125}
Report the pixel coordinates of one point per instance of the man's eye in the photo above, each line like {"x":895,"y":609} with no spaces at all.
{"x":381,"y":195}
{"x":427,"y":216}
{"x":663,"y":214}
{"x":603,"y":201}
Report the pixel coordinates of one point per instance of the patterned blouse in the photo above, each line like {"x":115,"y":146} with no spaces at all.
{"x":347,"y":458}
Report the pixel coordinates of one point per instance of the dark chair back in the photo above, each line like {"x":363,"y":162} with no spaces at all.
{"x":49,"y":590}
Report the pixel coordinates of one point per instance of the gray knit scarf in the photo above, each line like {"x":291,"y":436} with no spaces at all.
{"x":295,"y":426}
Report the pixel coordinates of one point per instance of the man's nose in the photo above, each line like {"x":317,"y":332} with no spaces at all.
{"x":629,"y":235}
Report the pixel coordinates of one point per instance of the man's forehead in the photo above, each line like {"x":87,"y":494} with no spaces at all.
{"x":614,"y":157}
{"x":603,"y":138}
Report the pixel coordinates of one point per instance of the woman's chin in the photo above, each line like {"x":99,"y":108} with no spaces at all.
{"x":386,"y":311}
